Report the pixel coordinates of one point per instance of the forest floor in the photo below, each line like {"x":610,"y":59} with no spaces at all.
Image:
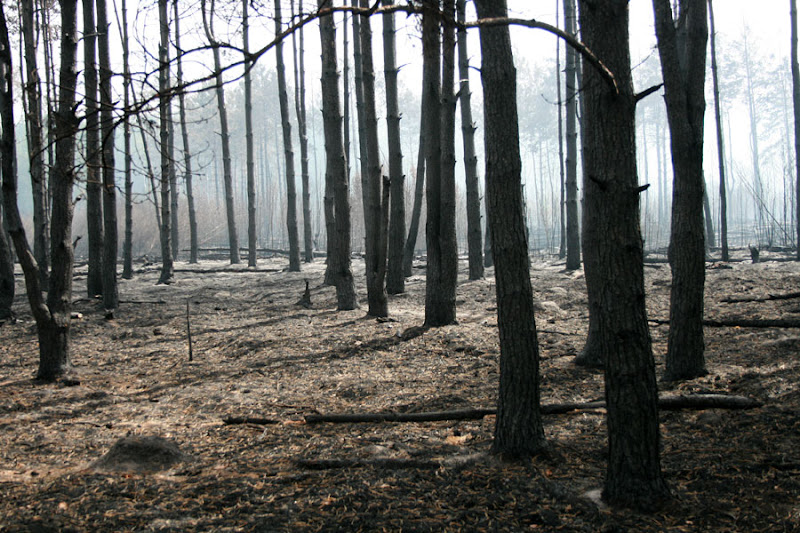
{"x":256,"y":353}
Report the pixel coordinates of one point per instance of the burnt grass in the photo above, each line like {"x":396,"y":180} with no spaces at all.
{"x":257,"y":353}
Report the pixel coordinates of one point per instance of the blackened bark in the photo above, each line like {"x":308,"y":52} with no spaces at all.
{"x":164,"y":116}
{"x":94,"y":189}
{"x":518,"y":429}
{"x":300,"y":111}
{"x":419,"y":190}
{"x":6,"y":271}
{"x":682,"y":48}
{"x":336,"y":170}
{"x":796,"y":107}
{"x":723,"y":193}
{"x":250,"y":152}
{"x":613,"y":262}
{"x":571,"y":192}
{"x":187,"y":154}
{"x":291,"y":188}
{"x":374,"y":218}
{"x":474,"y":232}
{"x":110,"y":232}
{"x":127,"y":247}
{"x":32,"y":88}
{"x":395,"y":280}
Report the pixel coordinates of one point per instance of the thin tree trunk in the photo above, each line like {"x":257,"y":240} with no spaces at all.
{"x":110,"y":232}
{"x":758,"y":189}
{"x":562,"y":209}
{"x":188,"y":177}
{"x":291,"y":193}
{"x":708,"y":219}
{"x":164,"y":114}
{"x":336,"y":170}
{"x":613,"y":262}
{"x":374,"y":217}
{"x":94,"y":189}
{"x":684,"y":84}
{"x":248,"y":121}
{"x":796,"y":103}
{"x":36,"y":149}
{"x":518,"y":427}
{"x":127,"y":247}
{"x":723,"y":194}
{"x":7,"y":284}
{"x":395,"y":280}
{"x":573,"y":225}
{"x":474,"y":236}
{"x":300,"y":111}
{"x":419,"y":189}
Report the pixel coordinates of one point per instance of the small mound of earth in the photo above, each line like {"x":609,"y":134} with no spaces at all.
{"x":140,"y":454}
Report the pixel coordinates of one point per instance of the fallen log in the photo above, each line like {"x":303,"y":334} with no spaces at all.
{"x":388,"y":463}
{"x":665,"y":402}
{"x":232,"y":420}
{"x":769,"y":297}
{"x":741,"y":323}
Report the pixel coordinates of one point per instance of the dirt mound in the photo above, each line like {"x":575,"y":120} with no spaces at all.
{"x":141,"y":454}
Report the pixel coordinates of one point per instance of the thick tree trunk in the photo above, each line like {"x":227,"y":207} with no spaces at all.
{"x":442,"y":270}
{"x":110,"y":232}
{"x":375,"y":230}
{"x":300,"y":111}
{"x":723,"y":193}
{"x":336,"y":170}
{"x":94,"y":189}
{"x":7,"y":287}
{"x":474,"y":231}
{"x":291,"y":189}
{"x":250,"y":152}
{"x":395,"y":280}
{"x":613,"y":262}
{"x":127,"y":247}
{"x":683,"y":62}
{"x":571,"y":193}
{"x":796,"y":107}
{"x":32,"y":88}
{"x":187,"y":154}
{"x":165,"y":116}
{"x":53,"y":315}
{"x":518,"y":428}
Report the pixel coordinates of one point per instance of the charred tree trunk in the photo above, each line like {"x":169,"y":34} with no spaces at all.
{"x":248,"y":122}
{"x":796,"y":104}
{"x":127,"y":246}
{"x":419,"y":190}
{"x":53,"y":314}
{"x":7,"y":288}
{"x":474,"y":231}
{"x":291,"y":190}
{"x":164,"y":115}
{"x":613,"y":262}
{"x":300,"y":111}
{"x":682,"y":48}
{"x":336,"y":170}
{"x":518,"y":428}
{"x":110,"y":232}
{"x":187,"y":154}
{"x":375,"y":229}
{"x":571,"y":193}
{"x":723,"y":193}
{"x":395,"y":280}
{"x":94,"y":189}
{"x":32,"y":88}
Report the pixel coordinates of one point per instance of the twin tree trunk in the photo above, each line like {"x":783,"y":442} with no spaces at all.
{"x":53,"y":314}
{"x":291,"y":189}
{"x":375,"y":210}
{"x":442,"y":248}
{"x":336,"y":179}
{"x":613,"y":262}
{"x":518,"y":429}
{"x":682,"y":49}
